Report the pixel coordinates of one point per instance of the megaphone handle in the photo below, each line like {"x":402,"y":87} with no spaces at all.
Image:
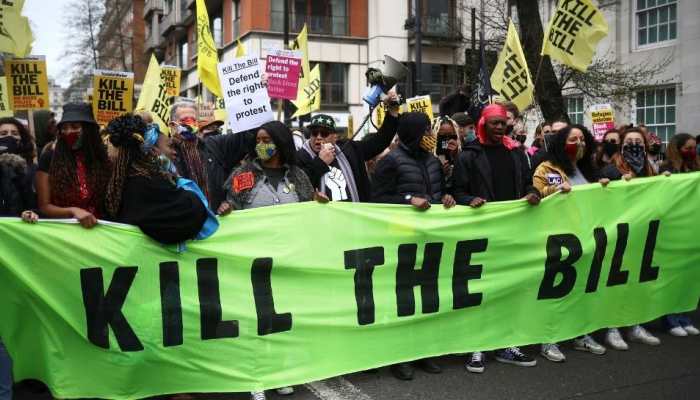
{"x":362,"y":124}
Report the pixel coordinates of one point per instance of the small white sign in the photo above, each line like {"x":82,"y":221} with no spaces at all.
{"x":246,"y":99}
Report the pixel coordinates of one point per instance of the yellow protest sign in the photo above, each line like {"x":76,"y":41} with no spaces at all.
{"x":154,"y":96}
{"x":511,"y":77}
{"x":220,"y":109}
{"x":573,"y":33}
{"x":5,"y":110}
{"x":112,"y":95}
{"x":420,"y":104}
{"x":207,"y":54}
{"x":28,"y":85}
{"x":170,"y":75}
{"x":310,"y":98}
{"x":301,"y":43}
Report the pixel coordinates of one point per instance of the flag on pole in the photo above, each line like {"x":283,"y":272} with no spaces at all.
{"x":301,"y":44}
{"x":310,"y":98}
{"x":573,"y":33}
{"x":207,"y":56}
{"x":482,"y":93}
{"x":511,"y":77}
{"x":240,"y":49}
{"x":15,"y":32}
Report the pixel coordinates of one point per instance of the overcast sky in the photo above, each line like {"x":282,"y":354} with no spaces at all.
{"x":46,"y":18}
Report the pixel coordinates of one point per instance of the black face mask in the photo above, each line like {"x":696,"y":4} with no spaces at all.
{"x":610,"y":148}
{"x":634,"y":155}
{"x":654,"y":149}
{"x":8,"y":144}
{"x":509,"y":130}
{"x":521,"y":138}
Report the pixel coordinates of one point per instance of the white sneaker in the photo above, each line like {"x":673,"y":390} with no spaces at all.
{"x":678,"y":331}
{"x":690,"y":329}
{"x":615,"y":340}
{"x":587,"y":343}
{"x":551,"y":352}
{"x":258,"y":395}
{"x":476,"y":363}
{"x":641,"y":335}
{"x":285,"y":391}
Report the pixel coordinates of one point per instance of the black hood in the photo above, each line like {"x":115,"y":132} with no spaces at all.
{"x":412,"y":126}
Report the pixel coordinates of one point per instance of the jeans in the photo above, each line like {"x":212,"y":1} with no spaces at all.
{"x":5,"y":374}
{"x":674,"y":320}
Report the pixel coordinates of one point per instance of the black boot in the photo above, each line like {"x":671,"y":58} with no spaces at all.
{"x":429,"y":366}
{"x":402,"y":371}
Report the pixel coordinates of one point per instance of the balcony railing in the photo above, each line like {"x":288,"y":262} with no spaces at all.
{"x":318,"y":24}
{"x":440,"y":27}
{"x":172,"y":21}
{"x":152,"y":6}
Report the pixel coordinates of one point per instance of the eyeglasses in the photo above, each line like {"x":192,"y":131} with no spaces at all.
{"x":324,"y":133}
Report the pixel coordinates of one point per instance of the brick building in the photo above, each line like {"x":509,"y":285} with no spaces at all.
{"x":121,"y":38}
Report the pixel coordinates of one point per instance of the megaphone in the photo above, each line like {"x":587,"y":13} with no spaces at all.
{"x":381,"y":80}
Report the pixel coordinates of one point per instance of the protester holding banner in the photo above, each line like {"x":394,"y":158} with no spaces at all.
{"x":338,"y":169}
{"x":74,"y":171}
{"x":494,"y":168}
{"x":607,"y":149}
{"x":17,"y":169}
{"x":272,"y":176}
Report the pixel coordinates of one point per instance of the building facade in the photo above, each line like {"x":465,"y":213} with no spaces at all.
{"x":347,"y":36}
{"x":121,"y":38}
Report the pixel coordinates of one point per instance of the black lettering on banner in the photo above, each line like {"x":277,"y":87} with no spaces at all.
{"x":648,"y":272}
{"x":105,"y":310}
{"x":427,"y":277}
{"x":617,"y":276}
{"x":170,"y":303}
{"x":463,"y":271}
{"x":364,"y":261}
{"x":554,"y":266}
{"x":268,"y":319}
{"x":601,"y":244}
{"x":212,"y":326}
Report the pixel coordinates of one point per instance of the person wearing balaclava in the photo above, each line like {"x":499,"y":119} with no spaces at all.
{"x":412,"y":174}
{"x":632,"y":160}
{"x":493,"y":168}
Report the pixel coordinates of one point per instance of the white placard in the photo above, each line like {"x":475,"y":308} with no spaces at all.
{"x":246,"y":99}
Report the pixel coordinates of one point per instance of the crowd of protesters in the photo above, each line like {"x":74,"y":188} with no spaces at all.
{"x":176,"y":185}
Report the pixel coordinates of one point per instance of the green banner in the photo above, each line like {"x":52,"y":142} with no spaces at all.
{"x":291,"y":294}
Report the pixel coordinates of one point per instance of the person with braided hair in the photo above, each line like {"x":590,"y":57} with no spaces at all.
{"x":144,"y":190}
{"x":74,"y":170}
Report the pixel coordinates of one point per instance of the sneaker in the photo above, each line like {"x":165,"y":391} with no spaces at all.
{"x":285,"y":391}
{"x":615,"y":340}
{"x":258,"y":395}
{"x":690,"y":329}
{"x":678,"y":331}
{"x":476,"y":363}
{"x":551,"y":352}
{"x":641,"y":335}
{"x":513,"y":355}
{"x":587,"y":343}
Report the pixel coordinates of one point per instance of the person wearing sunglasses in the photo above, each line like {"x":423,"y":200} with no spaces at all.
{"x":337,"y":168}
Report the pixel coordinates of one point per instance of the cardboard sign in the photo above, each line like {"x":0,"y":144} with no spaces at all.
{"x":28,"y":84}
{"x":282,"y":70}
{"x":5,"y":110}
{"x":246,"y":99}
{"x":112,"y":95}
{"x":170,"y":75}
{"x":420,"y":104}
{"x":603,"y":119}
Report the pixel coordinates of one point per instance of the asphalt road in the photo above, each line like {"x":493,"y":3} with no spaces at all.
{"x":668,"y":371}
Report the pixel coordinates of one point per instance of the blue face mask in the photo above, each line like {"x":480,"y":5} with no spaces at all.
{"x":471,"y":136}
{"x":167,"y":165}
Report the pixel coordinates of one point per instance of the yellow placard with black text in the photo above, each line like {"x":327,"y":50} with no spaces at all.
{"x":27,"y":83}
{"x":420,"y":104}
{"x":112,"y":95}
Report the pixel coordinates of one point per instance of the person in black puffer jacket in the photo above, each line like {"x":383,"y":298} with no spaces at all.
{"x":17,"y":169}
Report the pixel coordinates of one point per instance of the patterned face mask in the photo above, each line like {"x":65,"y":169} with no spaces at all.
{"x":265,"y":151}
{"x":428,"y":143}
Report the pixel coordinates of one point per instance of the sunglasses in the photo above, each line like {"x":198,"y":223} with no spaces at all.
{"x":449,"y":137}
{"x":323,"y":133}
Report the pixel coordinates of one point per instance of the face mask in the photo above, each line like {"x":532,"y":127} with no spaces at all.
{"x":689,"y":155}
{"x":634,"y":155}
{"x":428,"y":143}
{"x":471,"y":136}
{"x":8,"y":144}
{"x":575,"y":150}
{"x":610,"y":148}
{"x":655,"y":149}
{"x":521,"y":138}
{"x":265,"y":151}
{"x":73,"y":139}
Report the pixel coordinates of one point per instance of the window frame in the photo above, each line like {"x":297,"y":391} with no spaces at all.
{"x":327,"y":85}
{"x":576,"y":113}
{"x":635,"y":28}
{"x":653,"y":127}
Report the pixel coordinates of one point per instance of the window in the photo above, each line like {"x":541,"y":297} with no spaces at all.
{"x":574,"y":107}
{"x":182,"y":55}
{"x":236,"y":19}
{"x":439,"y":80}
{"x":656,"y":108}
{"x":656,"y":21}
{"x":217,"y":32}
{"x":327,"y":17}
{"x":437,"y":17}
{"x":333,"y":83}
{"x":168,"y":6}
